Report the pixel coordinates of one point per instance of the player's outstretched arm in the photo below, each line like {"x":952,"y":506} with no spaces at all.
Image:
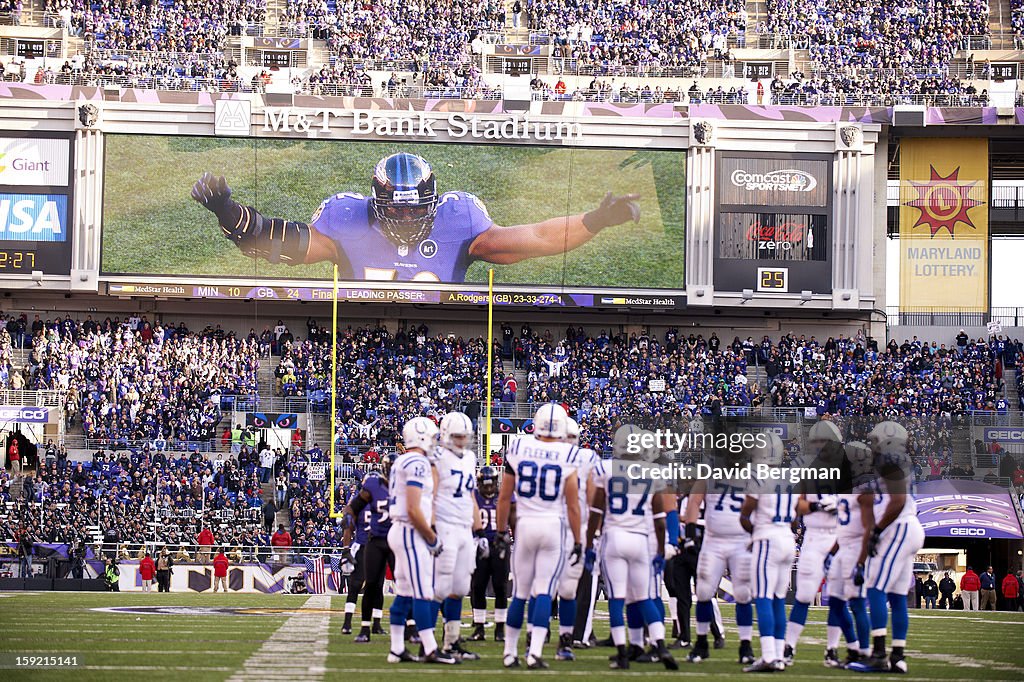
{"x":749,"y":505}
{"x":274,"y":239}
{"x":506,"y":245}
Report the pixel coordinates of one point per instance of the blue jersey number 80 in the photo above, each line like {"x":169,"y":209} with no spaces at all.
{"x":545,"y":481}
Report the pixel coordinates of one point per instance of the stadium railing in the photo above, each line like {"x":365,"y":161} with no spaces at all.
{"x":44,"y":398}
{"x":291,"y":555}
{"x":952,"y":317}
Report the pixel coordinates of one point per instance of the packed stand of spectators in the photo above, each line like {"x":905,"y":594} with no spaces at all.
{"x":144,"y":495}
{"x":653,"y":34}
{"x":167,"y":25}
{"x":163,"y":72}
{"x":607,"y":378}
{"x":384,"y":380}
{"x":1017,"y":23}
{"x":878,"y":88}
{"x":131,"y":380}
{"x":398,"y":30}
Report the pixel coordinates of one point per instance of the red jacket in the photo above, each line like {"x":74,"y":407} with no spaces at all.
{"x":281,"y":539}
{"x":970,"y":582}
{"x":1010,"y":586}
{"x":205,"y":537}
{"x":220,"y":566}
{"x":147,"y":568}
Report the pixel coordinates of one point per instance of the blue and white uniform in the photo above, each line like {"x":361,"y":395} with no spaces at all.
{"x":453,"y":513}
{"x":414,"y":565}
{"x":773,"y":544}
{"x":891,"y":569}
{"x":725,"y":542}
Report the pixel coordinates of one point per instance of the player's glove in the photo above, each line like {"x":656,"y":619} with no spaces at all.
{"x":215,"y":195}
{"x":590,"y":559}
{"x":577,"y":554}
{"x":502,"y":542}
{"x":670,"y":551}
{"x":614,"y":210}
{"x":659,"y":564}
{"x":691,"y":533}
{"x":483,"y":548}
{"x":826,"y":505}
{"x":876,"y":535}
{"x":858,"y":575}
{"x":436,"y":548}
{"x":354,"y":548}
{"x":828,"y":562}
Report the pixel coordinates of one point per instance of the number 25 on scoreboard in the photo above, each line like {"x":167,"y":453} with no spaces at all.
{"x":773,"y":279}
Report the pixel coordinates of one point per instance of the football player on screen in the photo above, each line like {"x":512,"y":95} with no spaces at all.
{"x":404,"y":230}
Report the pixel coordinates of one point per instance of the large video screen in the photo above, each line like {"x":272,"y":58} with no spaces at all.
{"x":539,"y":215}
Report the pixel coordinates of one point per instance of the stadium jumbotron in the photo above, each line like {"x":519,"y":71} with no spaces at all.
{"x":517,"y":337}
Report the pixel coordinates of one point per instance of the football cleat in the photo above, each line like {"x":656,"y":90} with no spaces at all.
{"x":404,"y":657}
{"x":763,"y":666}
{"x":463,"y":655}
{"x":746,"y":653}
{"x":510,"y":661}
{"x":478,"y":633}
{"x":679,"y":644}
{"x":852,"y":656}
{"x":378,"y":630}
{"x":832,"y":659}
{"x":719,"y":642}
{"x":362,"y":638}
{"x":499,"y":632}
{"x":564,"y":653}
{"x":649,"y":656}
{"x":536,"y":663}
{"x":619,"y":662}
{"x":872,"y":664}
{"x":346,"y":629}
{"x":605,"y":642}
{"x":897,"y":664}
{"x":411,"y":635}
{"x":788,"y":654}
{"x":440,"y":657}
{"x":580,"y":644}
{"x":699,"y":653}
{"x":666,"y":659}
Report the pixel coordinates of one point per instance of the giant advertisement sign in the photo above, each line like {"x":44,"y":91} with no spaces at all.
{"x":773,"y":222}
{"x":547,"y":217}
{"x":966,"y":509}
{"x":944,"y":237}
{"x":34,"y":161}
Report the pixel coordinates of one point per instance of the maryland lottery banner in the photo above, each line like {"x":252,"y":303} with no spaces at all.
{"x":944,"y":233}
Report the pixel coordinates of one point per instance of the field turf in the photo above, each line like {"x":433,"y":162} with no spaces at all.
{"x":207,"y":645}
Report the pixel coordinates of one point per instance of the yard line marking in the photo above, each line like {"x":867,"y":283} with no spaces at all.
{"x":296,"y":650}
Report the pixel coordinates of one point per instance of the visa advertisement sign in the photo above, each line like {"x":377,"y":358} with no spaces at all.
{"x":33,"y":217}
{"x":34,"y":161}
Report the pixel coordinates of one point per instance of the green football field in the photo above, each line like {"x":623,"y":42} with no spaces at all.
{"x":152,"y":226}
{"x":196,"y":641}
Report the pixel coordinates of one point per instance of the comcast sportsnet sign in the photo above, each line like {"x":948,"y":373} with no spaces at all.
{"x":34,"y":161}
{"x":787,"y":180}
{"x":768,"y":181}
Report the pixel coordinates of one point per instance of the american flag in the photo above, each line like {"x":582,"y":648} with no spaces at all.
{"x":316,"y":581}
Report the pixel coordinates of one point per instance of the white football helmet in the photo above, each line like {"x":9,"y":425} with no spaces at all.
{"x":888,"y":438}
{"x":823,"y":432}
{"x":625,"y":443}
{"x":860,"y":458}
{"x":550,"y":421}
{"x":653,"y":453}
{"x":572,"y":431}
{"x":770,"y":453}
{"x":456,"y":432}
{"x":419,"y":432}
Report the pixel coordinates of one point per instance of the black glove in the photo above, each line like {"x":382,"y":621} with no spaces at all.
{"x":614,"y":210}
{"x":577,"y":552}
{"x":346,"y":555}
{"x":215,"y":195}
{"x":876,"y":534}
{"x":502,"y":542}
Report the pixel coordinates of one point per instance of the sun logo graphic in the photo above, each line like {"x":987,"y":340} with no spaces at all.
{"x":943,"y":202}
{"x":2,"y":167}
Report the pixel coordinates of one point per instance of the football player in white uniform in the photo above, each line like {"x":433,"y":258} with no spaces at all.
{"x":571,"y":573}
{"x":767,"y":513}
{"x":457,"y":518}
{"x":624,"y":505}
{"x":414,"y":542}
{"x":841,"y":561}
{"x":724,"y":547}
{"x":817,"y":507}
{"x":540,"y":470}
{"x":890,"y":544}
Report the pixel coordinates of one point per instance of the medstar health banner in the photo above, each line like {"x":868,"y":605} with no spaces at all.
{"x":944,"y":224}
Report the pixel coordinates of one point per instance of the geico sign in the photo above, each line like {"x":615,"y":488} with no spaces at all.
{"x":785,"y":180}
{"x":24,"y":414}
{"x":1004,"y":435}
{"x":973,"y":532}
